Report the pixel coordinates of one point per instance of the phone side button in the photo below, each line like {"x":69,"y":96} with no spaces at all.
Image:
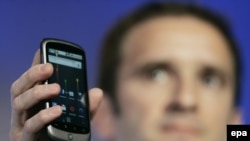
{"x":70,"y":137}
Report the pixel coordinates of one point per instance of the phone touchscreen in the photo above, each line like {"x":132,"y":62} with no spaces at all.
{"x":69,"y":73}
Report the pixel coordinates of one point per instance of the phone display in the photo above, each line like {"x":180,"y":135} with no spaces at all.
{"x":69,"y":65}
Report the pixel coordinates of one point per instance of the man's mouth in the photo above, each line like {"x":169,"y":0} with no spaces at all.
{"x":181,"y":128}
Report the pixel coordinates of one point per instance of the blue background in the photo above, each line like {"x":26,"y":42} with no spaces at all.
{"x":24,"y":24}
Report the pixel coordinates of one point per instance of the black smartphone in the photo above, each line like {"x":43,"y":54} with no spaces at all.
{"x":68,"y":60}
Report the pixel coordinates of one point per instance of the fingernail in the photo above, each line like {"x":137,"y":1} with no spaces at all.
{"x":56,"y":110}
{"x":43,"y":67}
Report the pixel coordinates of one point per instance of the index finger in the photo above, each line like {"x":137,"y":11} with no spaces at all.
{"x":31,"y":77}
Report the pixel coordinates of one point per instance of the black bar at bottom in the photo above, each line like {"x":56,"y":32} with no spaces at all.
{"x":238,"y":132}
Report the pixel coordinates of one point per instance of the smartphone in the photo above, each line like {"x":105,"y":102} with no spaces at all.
{"x":68,"y":60}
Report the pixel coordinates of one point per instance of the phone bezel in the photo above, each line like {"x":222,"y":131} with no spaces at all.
{"x":68,"y":47}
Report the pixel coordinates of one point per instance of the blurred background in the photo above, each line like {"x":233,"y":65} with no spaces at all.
{"x":23,"y":24}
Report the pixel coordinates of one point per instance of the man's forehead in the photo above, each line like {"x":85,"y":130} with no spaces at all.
{"x":171,"y":27}
{"x":176,"y":37}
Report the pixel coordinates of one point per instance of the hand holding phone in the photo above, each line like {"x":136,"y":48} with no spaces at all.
{"x":69,"y":65}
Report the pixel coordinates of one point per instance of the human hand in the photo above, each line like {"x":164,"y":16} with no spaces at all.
{"x":29,"y":118}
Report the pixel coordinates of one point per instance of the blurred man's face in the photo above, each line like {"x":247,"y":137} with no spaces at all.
{"x":175,"y":82}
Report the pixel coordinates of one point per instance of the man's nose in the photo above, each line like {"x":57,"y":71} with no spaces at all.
{"x":185,"y":96}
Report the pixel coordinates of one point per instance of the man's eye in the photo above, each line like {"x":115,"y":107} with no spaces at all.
{"x":212,"y":81}
{"x":158,"y":74}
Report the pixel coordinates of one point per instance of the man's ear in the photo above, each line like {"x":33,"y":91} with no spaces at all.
{"x":104,"y":120}
{"x":237,"y":116}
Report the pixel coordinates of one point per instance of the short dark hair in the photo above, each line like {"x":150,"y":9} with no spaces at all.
{"x":110,"y":54}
